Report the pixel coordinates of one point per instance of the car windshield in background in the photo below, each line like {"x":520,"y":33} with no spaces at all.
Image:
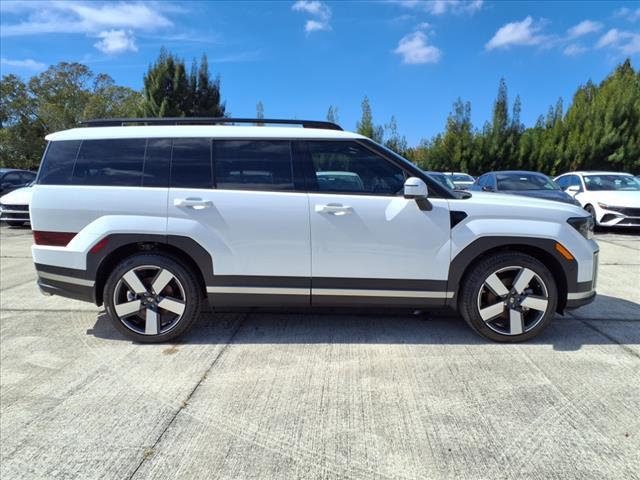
{"x":457,"y":177}
{"x":525,"y":181}
{"x":611,"y":182}
{"x":442,"y":179}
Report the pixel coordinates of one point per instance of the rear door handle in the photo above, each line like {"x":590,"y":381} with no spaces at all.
{"x":195,"y":203}
{"x":334,"y":209}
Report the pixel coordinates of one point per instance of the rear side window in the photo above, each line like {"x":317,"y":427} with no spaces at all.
{"x":191,"y":163}
{"x":108,"y":163}
{"x":253,"y":164}
{"x":58,"y":162}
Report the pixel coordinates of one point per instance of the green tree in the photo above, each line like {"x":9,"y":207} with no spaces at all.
{"x":332,"y":115}
{"x":395,"y":141}
{"x":366,"y":126}
{"x":56,"y":99}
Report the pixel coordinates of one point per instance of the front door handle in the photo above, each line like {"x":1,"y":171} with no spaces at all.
{"x":195,"y":203}
{"x":334,"y":209}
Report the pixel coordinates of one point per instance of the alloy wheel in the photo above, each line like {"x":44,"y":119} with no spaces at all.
{"x":149,"y":300}
{"x":513,"y":300}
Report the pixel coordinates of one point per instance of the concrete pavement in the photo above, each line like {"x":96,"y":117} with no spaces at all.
{"x":318,"y":396}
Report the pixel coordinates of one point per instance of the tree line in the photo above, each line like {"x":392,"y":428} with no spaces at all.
{"x":600,"y":129}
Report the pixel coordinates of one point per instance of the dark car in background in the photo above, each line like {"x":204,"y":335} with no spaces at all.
{"x":529,"y":184}
{"x":11,"y":178}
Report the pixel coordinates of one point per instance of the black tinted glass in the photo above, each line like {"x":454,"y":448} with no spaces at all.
{"x":191,"y":163}
{"x":116,"y":162}
{"x":57,"y":164}
{"x":156,"y":163}
{"x":253,"y":165}
{"x":348,"y":167}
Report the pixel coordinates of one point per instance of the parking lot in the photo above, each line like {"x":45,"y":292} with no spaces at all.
{"x":287,"y":396}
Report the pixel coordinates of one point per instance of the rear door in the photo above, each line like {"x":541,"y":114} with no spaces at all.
{"x":370,"y":244}
{"x":239,"y":199}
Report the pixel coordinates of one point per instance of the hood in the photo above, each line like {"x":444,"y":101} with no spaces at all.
{"x":555,"y":195}
{"x":506,"y":206}
{"x":616,"y":199}
{"x":20,"y":196}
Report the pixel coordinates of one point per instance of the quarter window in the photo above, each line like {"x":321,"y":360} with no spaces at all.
{"x":347,"y":167}
{"x":253,"y":164}
{"x":57,"y":165}
{"x":191,"y":163}
{"x":116,"y":162}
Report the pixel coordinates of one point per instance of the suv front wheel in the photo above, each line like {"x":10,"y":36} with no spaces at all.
{"x":152,"y":298}
{"x":509,"y":297}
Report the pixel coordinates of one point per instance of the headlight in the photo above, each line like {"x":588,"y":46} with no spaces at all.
{"x":584,"y":225}
{"x":602,"y":205}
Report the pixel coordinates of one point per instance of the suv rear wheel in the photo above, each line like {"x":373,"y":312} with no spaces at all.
{"x":509,"y":297}
{"x":152,"y":298}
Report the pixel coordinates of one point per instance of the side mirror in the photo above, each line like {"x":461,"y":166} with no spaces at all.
{"x":415,"y":188}
{"x":573,"y":189}
{"x":488,"y":189}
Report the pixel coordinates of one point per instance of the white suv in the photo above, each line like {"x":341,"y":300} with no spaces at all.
{"x":152,"y":220}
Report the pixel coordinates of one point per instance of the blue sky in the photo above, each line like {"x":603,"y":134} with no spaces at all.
{"x":412,"y":58}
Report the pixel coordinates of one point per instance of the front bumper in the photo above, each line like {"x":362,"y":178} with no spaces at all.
{"x":619,"y":217}
{"x":14,"y":213}
{"x":584,"y":292}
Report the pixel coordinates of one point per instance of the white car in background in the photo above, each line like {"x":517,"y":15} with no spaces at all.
{"x":612,"y":198}
{"x":462,"y":181}
{"x":14,"y":207}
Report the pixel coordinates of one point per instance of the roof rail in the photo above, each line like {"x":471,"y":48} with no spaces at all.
{"x":120,"y":122}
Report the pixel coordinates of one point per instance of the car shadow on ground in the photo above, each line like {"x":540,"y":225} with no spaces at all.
{"x":349,"y":326}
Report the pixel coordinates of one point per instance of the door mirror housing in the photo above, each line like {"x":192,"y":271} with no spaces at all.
{"x":573,"y":189}
{"x":487,"y":188}
{"x":415,"y":188}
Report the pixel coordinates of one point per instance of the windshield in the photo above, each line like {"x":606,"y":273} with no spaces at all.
{"x":442,"y":179}
{"x":462,"y":177}
{"x":611,"y":182}
{"x":525,"y":181}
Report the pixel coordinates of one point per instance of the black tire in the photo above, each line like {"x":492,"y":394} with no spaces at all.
{"x":186,"y":286}
{"x":14,"y":224}
{"x":475,"y":289}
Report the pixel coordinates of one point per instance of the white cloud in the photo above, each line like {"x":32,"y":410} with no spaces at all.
{"x":627,"y":43}
{"x":517,"y":33}
{"x":116,"y":41}
{"x":27,"y":64}
{"x":627,"y":13}
{"x":574,"y":49}
{"x":90,"y":18}
{"x":440,"y":7}
{"x":318,"y":10}
{"x":584,"y":28}
{"x":414,"y":49}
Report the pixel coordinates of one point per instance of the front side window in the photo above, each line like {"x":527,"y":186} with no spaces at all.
{"x":58,"y":161}
{"x":563,"y":182}
{"x":113,"y":162}
{"x":191,"y":163}
{"x":347,"y":167}
{"x":253,"y":164}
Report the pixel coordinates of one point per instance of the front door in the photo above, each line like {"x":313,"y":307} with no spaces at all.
{"x":369,"y":244}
